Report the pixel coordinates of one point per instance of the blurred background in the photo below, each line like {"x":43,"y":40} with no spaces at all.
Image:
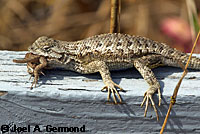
{"x":174,"y":22}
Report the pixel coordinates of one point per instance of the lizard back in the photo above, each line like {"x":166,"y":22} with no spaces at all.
{"x":113,"y":48}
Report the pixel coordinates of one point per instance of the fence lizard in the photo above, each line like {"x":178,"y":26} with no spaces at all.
{"x":101,"y":53}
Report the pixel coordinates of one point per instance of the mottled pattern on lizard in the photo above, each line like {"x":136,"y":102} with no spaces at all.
{"x":101,"y":53}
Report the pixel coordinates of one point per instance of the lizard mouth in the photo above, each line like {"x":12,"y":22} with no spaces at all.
{"x":30,"y":70}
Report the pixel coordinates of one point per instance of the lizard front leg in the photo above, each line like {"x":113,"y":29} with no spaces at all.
{"x":110,"y":85}
{"x":102,"y":68}
{"x":150,"y":78}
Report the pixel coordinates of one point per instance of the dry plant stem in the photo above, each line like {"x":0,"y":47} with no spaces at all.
{"x":192,"y":12}
{"x":172,"y":102}
{"x":3,"y":93}
{"x":115,"y":16}
{"x":173,"y":98}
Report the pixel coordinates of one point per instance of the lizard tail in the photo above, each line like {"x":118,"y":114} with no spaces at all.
{"x":176,"y":57}
{"x":29,"y":57}
{"x":21,"y":61}
{"x":194,"y":62}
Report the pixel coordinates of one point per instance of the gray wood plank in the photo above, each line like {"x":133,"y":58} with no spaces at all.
{"x":65,"y":98}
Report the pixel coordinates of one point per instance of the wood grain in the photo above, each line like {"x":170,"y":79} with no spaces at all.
{"x":65,"y":98}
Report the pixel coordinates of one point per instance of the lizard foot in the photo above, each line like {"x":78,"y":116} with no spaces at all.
{"x":110,"y":87}
{"x":31,"y":70}
{"x":35,"y":81}
{"x":148,"y":96}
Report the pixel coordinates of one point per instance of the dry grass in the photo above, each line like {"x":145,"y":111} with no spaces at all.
{"x":23,"y":21}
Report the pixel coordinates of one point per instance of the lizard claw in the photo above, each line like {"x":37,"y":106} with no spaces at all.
{"x":147,"y":97}
{"x":110,"y":87}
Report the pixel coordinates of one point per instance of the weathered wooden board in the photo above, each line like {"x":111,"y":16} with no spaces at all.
{"x":68,"y":99}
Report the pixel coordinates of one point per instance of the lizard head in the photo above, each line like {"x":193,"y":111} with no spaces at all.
{"x":43,"y":46}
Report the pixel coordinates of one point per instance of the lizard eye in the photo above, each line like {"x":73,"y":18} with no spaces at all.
{"x":46,"y":47}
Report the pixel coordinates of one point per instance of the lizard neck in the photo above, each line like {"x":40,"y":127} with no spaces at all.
{"x":72,"y":48}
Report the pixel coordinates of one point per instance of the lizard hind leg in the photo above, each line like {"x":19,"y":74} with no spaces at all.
{"x":37,"y":70}
{"x":34,"y":65}
{"x":142,"y":66}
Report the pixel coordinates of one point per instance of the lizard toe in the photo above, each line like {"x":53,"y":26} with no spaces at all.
{"x":148,"y":96}
{"x":110,"y":87}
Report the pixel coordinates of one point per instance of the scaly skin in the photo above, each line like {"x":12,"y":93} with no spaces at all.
{"x":105,"y":52}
